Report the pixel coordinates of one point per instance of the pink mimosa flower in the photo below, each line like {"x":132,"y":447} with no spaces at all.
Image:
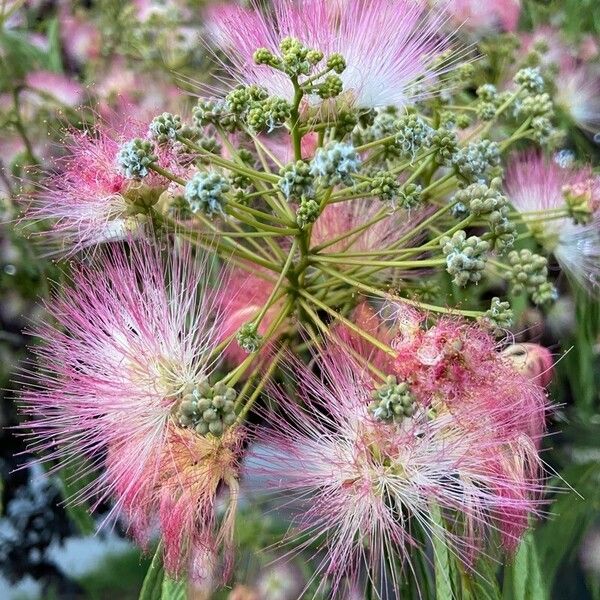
{"x":364,"y":486}
{"x":388,"y":45}
{"x":89,"y":200}
{"x":482,"y":18}
{"x":535,"y":183}
{"x":64,"y":89}
{"x":578,"y":94}
{"x":132,"y":336}
{"x":533,"y":360}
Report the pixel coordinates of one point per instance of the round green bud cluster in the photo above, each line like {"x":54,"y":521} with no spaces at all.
{"x":481,"y":198}
{"x":331,"y":87}
{"x":336,"y":62}
{"x":531,"y":79}
{"x":296,"y":180}
{"x":412,"y":134}
{"x":296,"y":58}
{"x":543,"y":130}
{"x":239,"y":181}
{"x":205,"y":193}
{"x":465,"y":73}
{"x":538,"y":105}
{"x":487,"y":93}
{"x":529,"y":273}
{"x":499,"y":317}
{"x":410,"y":196}
{"x":385,"y":186}
{"x":268,"y":114}
{"x":345,"y":122}
{"x":241,"y":99}
{"x":308,"y":212}
{"x":486,"y":111}
{"x":335,"y":163}
{"x":392,"y":402}
{"x":445,"y":143}
{"x":476,"y":160}
{"x":463,"y":121}
{"x":134,"y":157}
{"x":465,"y":257}
{"x":207,"y":409}
{"x":263,"y":56}
{"x":164,"y":128}
{"x":248,"y":337}
{"x":208,"y":112}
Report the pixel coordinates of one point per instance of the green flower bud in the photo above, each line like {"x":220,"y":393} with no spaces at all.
{"x":465,"y":257}
{"x":308,"y":212}
{"x":385,"y":186}
{"x":205,"y":193}
{"x":248,"y":338}
{"x":165,"y":128}
{"x":331,"y":87}
{"x":498,"y":317}
{"x":337,"y":63}
{"x":529,"y":273}
{"x":296,"y":180}
{"x":134,"y":157}
{"x":392,"y":402}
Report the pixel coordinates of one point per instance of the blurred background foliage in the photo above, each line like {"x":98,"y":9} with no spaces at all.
{"x":67,"y":64}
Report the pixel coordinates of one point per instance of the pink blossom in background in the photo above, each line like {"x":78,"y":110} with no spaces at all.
{"x":63,"y":89}
{"x":578,"y":94}
{"x":387,"y":44}
{"x":535,"y":183}
{"x":360,"y":485}
{"x":484,"y":17}
{"x":121,"y":346}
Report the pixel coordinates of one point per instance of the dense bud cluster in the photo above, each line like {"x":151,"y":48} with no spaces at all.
{"x":206,"y":193}
{"x":207,"y":409}
{"x":529,"y":273}
{"x":248,"y":337}
{"x":465,"y":257}
{"x":134,"y":158}
{"x":296,"y":180}
{"x":476,"y":161}
{"x":335,"y":164}
{"x":531,"y":79}
{"x":385,"y":186}
{"x":392,"y":402}
{"x":165,"y":128}
{"x":412,"y":135}
{"x":308,"y":211}
{"x":499,"y":317}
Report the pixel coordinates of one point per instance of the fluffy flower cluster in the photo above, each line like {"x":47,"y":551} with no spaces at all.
{"x":130,"y":337}
{"x":373,"y":488}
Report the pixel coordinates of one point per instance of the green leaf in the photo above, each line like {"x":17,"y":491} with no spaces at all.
{"x":482,"y":584}
{"x":54,"y":47}
{"x":153,"y":582}
{"x":173,"y":590}
{"x":523,"y":578}
{"x":441,"y":556}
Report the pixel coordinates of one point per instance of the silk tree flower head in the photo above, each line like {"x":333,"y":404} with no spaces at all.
{"x":578,"y":95}
{"x":482,"y":18}
{"x":386,"y":46}
{"x":457,"y":364}
{"x":365,"y":477}
{"x":121,"y":377}
{"x":91,"y":199}
{"x":535,"y":183}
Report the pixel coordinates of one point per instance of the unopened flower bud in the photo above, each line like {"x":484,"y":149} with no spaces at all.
{"x":205,"y":193}
{"x":134,"y":157}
